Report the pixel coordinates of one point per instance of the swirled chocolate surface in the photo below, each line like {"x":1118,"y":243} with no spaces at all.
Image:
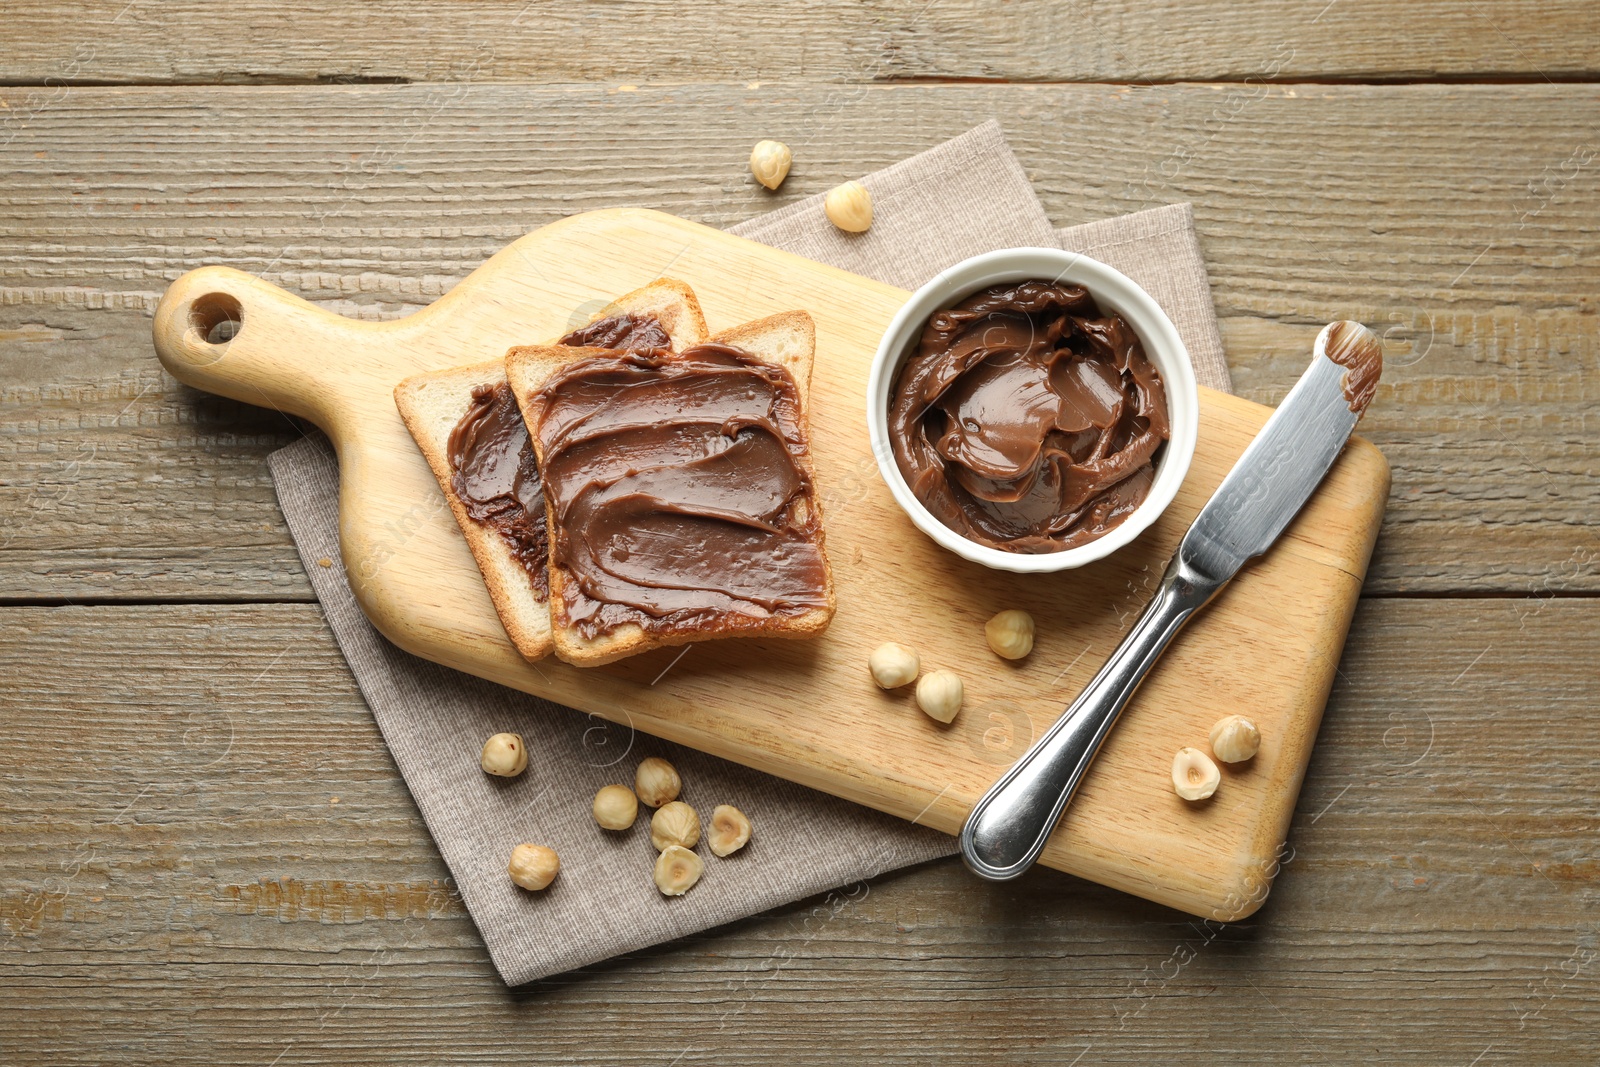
{"x":679,"y":492}
{"x":1028,"y":419}
{"x":630,"y":333}
{"x":494,"y":473}
{"x":497,"y":480}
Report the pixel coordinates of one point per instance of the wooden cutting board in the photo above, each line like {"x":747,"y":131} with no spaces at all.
{"x":808,"y":711}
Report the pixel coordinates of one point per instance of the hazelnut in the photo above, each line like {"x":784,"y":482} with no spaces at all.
{"x":675,"y":824}
{"x":615,"y":807}
{"x":1235,"y":739}
{"x":769,"y":162}
{"x":656,"y":781}
{"x":893,"y":665}
{"x":504,"y":755}
{"x":677,"y":870}
{"x":533,"y":866}
{"x":730,"y":830}
{"x":849,"y":207}
{"x":1010,"y":634}
{"x":1194,"y":776}
{"x":939,"y":694}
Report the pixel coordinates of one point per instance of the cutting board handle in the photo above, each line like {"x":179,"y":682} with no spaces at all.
{"x":228,"y":332}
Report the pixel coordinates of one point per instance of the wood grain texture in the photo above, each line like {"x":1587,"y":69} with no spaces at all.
{"x":836,"y":41}
{"x":374,"y":202}
{"x":176,"y":884}
{"x":806,"y":710}
{"x":389,"y":195}
{"x":181,"y":887}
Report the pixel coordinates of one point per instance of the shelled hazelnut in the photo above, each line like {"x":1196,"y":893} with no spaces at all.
{"x":677,"y":870}
{"x":533,"y":866}
{"x":656,"y":782}
{"x":730,"y":830}
{"x":615,"y":807}
{"x":1235,"y":739}
{"x":1010,"y":634}
{"x":504,"y":755}
{"x":849,"y":207}
{"x":676,"y":823}
{"x":939,"y":693}
{"x":893,"y":665}
{"x":1194,"y":776}
{"x":769,"y":162}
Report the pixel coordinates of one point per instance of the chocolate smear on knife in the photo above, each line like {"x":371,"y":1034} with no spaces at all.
{"x":1358,"y":351}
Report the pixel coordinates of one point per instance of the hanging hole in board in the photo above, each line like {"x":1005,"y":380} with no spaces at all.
{"x":216,"y":317}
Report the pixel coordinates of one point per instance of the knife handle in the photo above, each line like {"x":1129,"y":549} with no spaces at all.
{"x":1011,"y":822}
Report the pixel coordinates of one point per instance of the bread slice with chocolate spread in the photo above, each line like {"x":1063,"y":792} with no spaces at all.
{"x":681,"y":500}
{"x":506,"y":539}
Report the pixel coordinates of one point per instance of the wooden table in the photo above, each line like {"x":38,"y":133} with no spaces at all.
{"x":206,"y":855}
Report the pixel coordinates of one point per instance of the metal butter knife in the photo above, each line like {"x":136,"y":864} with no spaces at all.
{"x":1265,"y":490}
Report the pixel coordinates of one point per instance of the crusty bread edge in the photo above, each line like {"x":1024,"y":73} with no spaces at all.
{"x":682,"y":318}
{"x":532,"y":635}
{"x":735,"y":337}
{"x":529,"y":367}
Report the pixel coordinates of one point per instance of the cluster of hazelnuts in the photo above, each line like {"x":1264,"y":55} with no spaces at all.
{"x":674,"y":828}
{"x":1234,"y":739}
{"x":940,"y":692}
{"x":1195,"y":776}
{"x":848,"y":206}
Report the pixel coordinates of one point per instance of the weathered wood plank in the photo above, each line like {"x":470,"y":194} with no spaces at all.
{"x":116,"y":480}
{"x":1479,"y":265}
{"x":1308,"y":196}
{"x":175,"y":856}
{"x":840,"y":41}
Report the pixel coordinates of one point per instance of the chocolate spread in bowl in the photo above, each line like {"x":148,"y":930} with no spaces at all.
{"x":679,"y":491}
{"x":491,"y":459}
{"x":1028,"y":419}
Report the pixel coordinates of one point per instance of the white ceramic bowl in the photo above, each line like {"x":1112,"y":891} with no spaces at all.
{"x":1114,"y":291}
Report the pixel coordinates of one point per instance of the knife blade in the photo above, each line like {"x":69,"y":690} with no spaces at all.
{"x":1267,"y":487}
{"x":1287,"y":460}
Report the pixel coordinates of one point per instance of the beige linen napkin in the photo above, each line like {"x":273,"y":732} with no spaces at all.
{"x":961,"y":198}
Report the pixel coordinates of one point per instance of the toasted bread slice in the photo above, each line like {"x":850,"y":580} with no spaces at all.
{"x":668,"y":301}
{"x":433,"y":403}
{"x":787,"y":340}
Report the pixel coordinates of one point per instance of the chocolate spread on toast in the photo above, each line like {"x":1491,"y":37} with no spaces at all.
{"x":492,"y":462}
{"x":496,"y":479}
{"x":679,"y":492}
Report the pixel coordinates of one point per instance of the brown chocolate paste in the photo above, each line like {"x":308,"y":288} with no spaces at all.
{"x":630,"y":333}
{"x":1028,"y":419}
{"x":494,"y":472}
{"x":497,"y":480}
{"x":1357,"y":350}
{"x":679,"y":491}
